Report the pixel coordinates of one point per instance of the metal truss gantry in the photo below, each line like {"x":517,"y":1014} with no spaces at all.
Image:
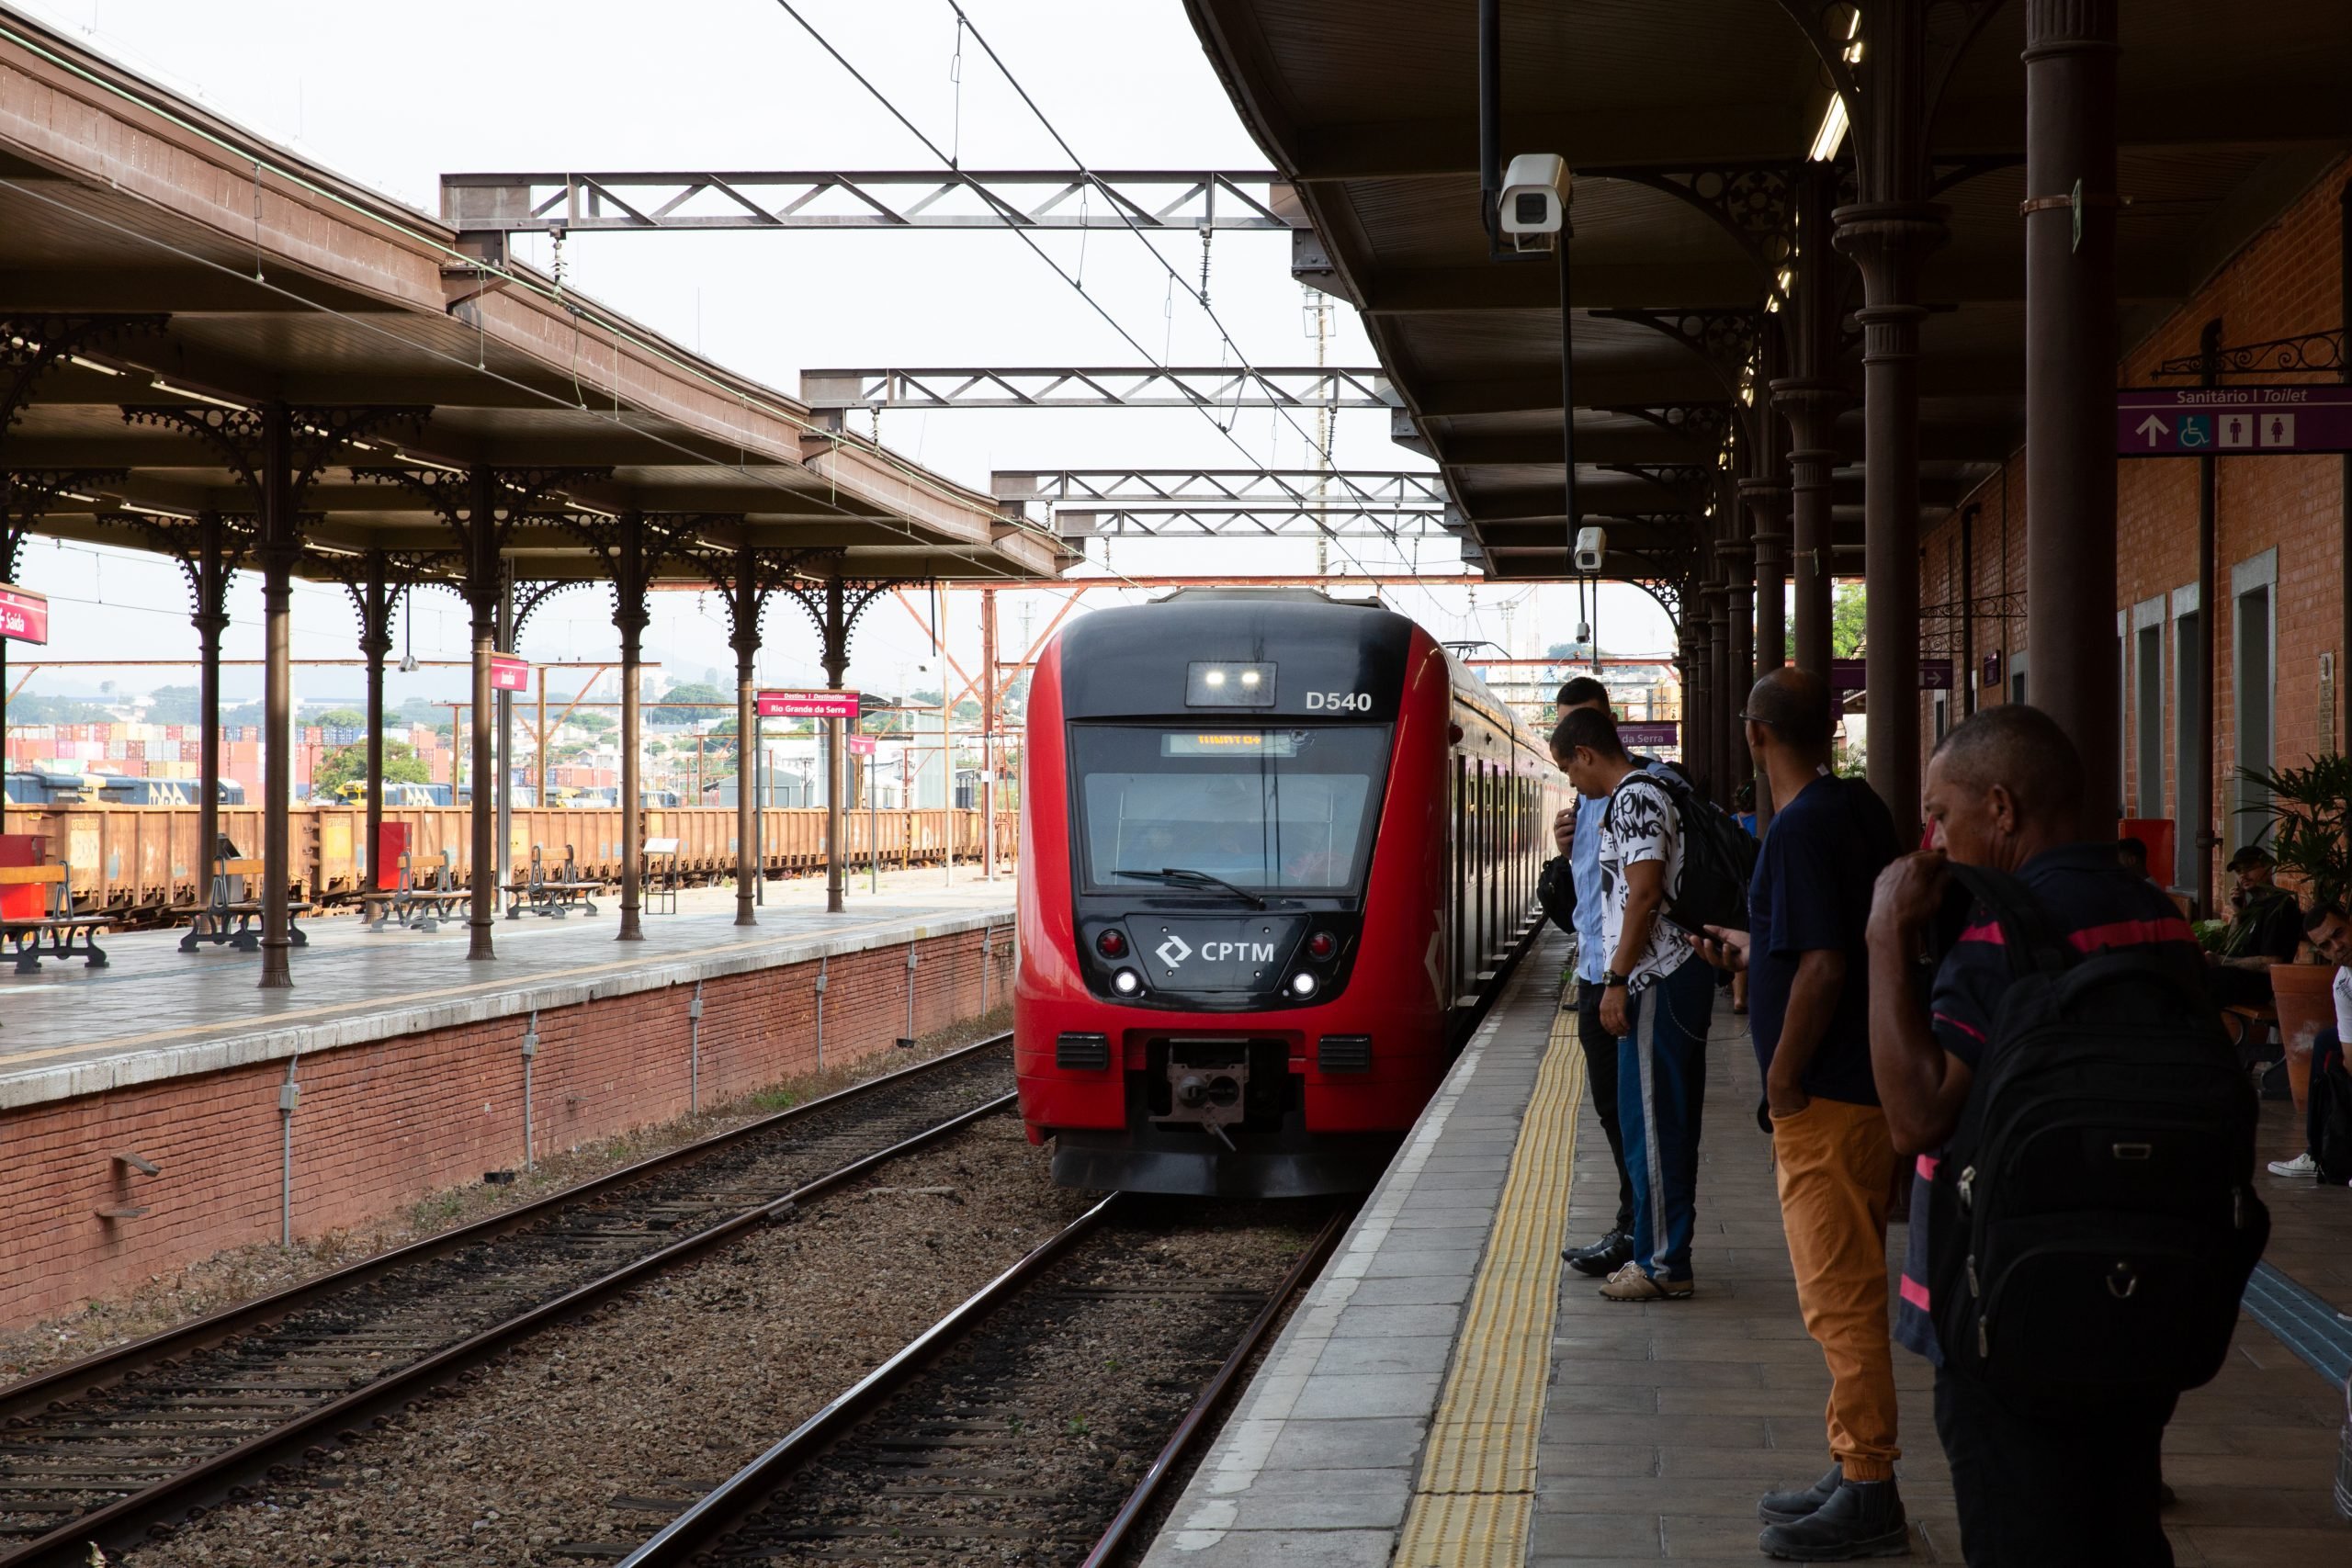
{"x":1228,"y":503}
{"x":1211,"y":387}
{"x":1248,"y":522}
{"x":1177,"y":200}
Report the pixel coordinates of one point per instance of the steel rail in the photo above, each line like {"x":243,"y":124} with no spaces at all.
{"x":1180,"y":1442}
{"x":740,"y":1493}
{"x":212,"y":1478}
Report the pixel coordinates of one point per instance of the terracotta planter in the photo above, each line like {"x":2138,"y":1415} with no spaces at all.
{"x":2306,"y":1000}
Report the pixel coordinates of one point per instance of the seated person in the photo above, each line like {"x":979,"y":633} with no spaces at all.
{"x":2331,"y":936}
{"x":2267,"y":928}
{"x":2133,"y":852}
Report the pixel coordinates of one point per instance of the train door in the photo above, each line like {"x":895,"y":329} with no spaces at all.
{"x":1456,"y":899}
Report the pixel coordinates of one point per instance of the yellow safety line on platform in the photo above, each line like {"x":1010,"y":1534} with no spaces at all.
{"x":1477,"y":1493}
{"x":293,"y":1015}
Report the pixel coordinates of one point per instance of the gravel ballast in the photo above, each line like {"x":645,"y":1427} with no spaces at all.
{"x":659,"y":1394}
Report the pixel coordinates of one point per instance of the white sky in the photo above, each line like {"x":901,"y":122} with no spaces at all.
{"x":395,"y":97}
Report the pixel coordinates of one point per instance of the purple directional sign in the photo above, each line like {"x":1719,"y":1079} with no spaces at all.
{"x":2231,"y":422}
{"x":1649,"y":732}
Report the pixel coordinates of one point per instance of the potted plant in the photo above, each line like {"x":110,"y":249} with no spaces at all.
{"x":2311,"y":823}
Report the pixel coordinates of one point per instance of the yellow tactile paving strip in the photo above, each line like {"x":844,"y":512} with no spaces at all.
{"x":1475,"y":1497}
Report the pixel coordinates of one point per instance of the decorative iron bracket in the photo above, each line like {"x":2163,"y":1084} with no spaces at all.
{"x":2304,"y":354}
{"x":26,"y":496}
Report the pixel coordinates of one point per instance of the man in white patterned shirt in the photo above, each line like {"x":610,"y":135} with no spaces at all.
{"x":1654,"y":999}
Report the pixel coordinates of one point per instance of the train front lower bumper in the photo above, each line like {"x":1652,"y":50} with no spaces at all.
{"x":1316,"y":1109}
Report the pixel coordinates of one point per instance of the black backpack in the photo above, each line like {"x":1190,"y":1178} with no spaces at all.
{"x":2092,"y":1222}
{"x":1718,"y":858}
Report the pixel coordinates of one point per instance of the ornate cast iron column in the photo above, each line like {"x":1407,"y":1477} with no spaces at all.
{"x":26,"y":496}
{"x":276,"y":451}
{"x":2070,"y":211}
{"x":1735,"y":549}
{"x":630,"y":564}
{"x":1766,"y":503}
{"x":745,"y":576}
{"x":836,"y":607}
{"x":209,"y":552}
{"x":481,"y":507}
{"x":1891,"y":96}
{"x":278,"y":547}
{"x":1810,"y":398}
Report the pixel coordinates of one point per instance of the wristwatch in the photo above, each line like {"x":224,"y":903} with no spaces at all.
{"x":1613,"y":980}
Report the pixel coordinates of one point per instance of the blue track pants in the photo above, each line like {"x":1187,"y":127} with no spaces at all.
{"x":1661,"y":1090}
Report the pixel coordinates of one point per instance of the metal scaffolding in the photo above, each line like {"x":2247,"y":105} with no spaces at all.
{"x":1211,"y":387}
{"x":1171,"y":200}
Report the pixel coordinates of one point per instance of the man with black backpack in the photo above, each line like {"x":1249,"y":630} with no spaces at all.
{"x":2082,"y":1221}
{"x":1569,"y":890}
{"x":1664,"y":873}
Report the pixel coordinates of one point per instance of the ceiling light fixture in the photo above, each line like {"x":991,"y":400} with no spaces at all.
{"x":160,"y":384}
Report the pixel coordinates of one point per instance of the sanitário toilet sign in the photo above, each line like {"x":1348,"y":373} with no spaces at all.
{"x":2231,"y":422}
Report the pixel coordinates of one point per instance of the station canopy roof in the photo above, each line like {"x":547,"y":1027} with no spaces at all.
{"x":1371,"y":106}
{"x":192,"y":266}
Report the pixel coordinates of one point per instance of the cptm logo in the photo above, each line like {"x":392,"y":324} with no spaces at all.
{"x":1172,"y":952}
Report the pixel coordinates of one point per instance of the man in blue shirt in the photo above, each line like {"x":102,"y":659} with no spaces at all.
{"x":1577,"y":832}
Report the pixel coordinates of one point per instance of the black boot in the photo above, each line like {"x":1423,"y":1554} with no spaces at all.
{"x":1604,"y":1256}
{"x":1861,"y":1518}
{"x":1786,"y":1507}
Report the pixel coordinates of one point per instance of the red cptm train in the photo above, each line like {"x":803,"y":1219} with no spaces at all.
{"x":1275,"y":850}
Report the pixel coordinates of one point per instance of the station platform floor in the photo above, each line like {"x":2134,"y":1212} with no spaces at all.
{"x":155,"y":1012}
{"x":1449,"y":1393}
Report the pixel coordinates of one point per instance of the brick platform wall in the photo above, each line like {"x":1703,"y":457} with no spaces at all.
{"x":2284,"y":281}
{"x":383,"y":1125}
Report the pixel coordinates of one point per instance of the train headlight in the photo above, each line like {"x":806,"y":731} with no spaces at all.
{"x":1218,"y":684}
{"x":1127,"y":982}
{"x":1302,"y":983}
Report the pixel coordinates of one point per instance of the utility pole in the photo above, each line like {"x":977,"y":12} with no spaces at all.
{"x":988,"y":734}
{"x":1319,"y":310}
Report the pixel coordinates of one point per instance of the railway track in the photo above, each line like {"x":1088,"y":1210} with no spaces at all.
{"x":1038,"y":1421}
{"x":114,"y":1446}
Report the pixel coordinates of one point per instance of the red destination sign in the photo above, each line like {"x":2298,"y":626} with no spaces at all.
{"x":2231,"y":422}
{"x":509,"y":673}
{"x":807,"y":704}
{"x":861,"y":745}
{"x":24,"y":614}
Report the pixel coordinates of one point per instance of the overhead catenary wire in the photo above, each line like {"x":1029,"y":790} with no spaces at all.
{"x":1093,"y":180}
{"x":1200,"y":296}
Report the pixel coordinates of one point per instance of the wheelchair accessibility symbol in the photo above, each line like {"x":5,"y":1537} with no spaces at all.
{"x":2197,"y":430}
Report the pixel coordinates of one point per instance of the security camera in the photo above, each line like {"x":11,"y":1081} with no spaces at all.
{"x":1535,"y":199}
{"x":1591,"y":545}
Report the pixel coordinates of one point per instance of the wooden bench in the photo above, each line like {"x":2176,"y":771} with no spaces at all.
{"x":553,"y":893}
{"x":232,"y":916}
{"x":661,"y":876}
{"x":427,"y":894}
{"x":62,"y":932}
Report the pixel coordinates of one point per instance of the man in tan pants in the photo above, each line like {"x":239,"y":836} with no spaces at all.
{"x":1809,"y":1012}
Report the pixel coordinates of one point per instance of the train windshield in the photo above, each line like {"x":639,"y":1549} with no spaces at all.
{"x":1257,"y":807}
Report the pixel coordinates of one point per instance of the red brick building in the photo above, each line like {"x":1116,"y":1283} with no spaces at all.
{"x":2279,"y":555}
